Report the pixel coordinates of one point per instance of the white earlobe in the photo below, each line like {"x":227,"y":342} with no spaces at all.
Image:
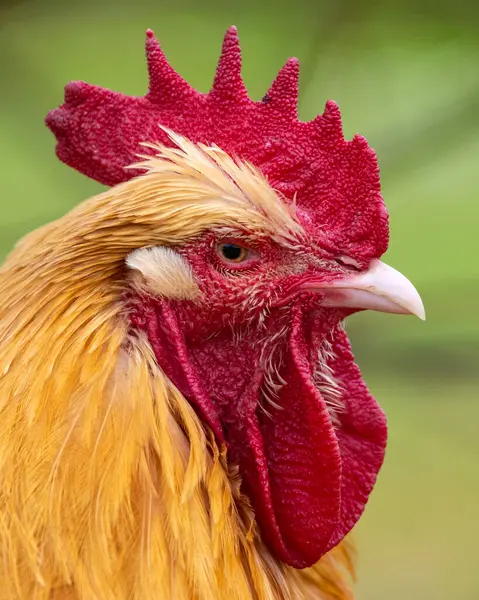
{"x":162,"y":272}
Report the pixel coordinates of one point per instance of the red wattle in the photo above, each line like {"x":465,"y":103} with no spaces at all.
{"x":362,"y":436}
{"x":308,"y":480}
{"x":303,"y":460}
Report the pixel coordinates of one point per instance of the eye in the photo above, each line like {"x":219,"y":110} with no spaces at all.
{"x":233,"y":253}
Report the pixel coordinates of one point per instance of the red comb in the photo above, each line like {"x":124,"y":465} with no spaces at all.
{"x":336,"y":182}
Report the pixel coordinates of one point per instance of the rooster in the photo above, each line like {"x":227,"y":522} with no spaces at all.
{"x":181,"y":414}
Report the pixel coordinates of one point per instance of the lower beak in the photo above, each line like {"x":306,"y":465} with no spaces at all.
{"x":380,"y":288}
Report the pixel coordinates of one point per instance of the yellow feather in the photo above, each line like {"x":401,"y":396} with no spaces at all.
{"x":110,"y":487}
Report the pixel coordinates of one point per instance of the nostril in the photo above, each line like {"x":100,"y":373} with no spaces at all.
{"x":347,"y":261}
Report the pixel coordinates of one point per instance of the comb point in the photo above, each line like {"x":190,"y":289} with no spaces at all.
{"x":165,"y":84}
{"x":331,"y":111}
{"x":228,"y":83}
{"x":76,"y":92}
{"x":359,"y":141}
{"x":284,"y":91}
{"x":330,"y":122}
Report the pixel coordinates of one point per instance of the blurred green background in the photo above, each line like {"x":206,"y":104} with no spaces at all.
{"x":405,"y":75}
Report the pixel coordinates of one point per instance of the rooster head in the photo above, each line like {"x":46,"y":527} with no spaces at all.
{"x":245,"y":315}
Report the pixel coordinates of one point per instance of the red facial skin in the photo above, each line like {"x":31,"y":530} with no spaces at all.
{"x":308,"y":478}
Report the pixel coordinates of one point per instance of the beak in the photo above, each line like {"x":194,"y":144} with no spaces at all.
{"x":380,"y":288}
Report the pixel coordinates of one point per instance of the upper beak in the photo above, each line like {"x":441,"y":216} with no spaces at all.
{"x":379,"y":288}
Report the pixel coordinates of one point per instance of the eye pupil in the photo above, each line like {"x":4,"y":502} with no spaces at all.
{"x":231,"y":252}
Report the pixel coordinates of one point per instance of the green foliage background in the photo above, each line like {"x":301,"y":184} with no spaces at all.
{"x":405,"y":75}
